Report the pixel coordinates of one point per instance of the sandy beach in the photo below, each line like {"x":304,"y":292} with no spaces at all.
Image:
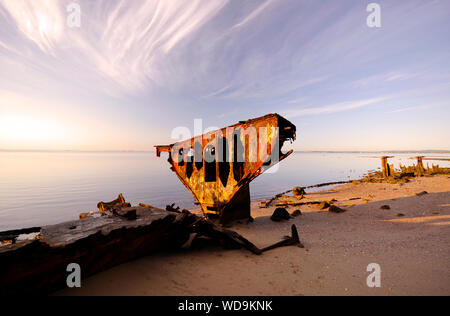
{"x":413,"y":250}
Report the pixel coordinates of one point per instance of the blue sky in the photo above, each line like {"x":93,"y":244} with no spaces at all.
{"x":135,"y":70}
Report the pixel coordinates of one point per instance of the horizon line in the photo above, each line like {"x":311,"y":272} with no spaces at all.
{"x":154,"y":151}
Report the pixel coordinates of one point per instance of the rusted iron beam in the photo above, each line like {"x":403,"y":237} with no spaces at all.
{"x":160,"y":149}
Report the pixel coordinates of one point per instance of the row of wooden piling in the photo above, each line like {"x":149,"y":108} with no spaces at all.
{"x":418,"y":169}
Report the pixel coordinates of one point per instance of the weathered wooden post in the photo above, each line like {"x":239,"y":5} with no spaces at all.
{"x":419,"y":168}
{"x":385,"y":167}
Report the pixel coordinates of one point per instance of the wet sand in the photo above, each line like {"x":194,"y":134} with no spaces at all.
{"x":413,"y":251}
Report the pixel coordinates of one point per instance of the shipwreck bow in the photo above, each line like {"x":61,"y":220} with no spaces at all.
{"x":217,"y":167}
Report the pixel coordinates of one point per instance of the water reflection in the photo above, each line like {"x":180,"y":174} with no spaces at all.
{"x":45,"y":188}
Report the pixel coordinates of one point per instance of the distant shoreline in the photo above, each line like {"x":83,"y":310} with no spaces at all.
{"x":431,"y":151}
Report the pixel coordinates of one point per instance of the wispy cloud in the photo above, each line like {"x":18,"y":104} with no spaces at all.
{"x":296,"y":101}
{"x":253,"y":15}
{"x":127,"y":45}
{"x":42,"y":22}
{"x":135,"y":46}
{"x":384,"y":78}
{"x":400,"y":76}
{"x":420,"y":107}
{"x":333,"y":108}
{"x":161,"y":61}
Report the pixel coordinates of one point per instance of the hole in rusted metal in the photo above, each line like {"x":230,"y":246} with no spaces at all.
{"x":190,"y":163}
{"x":238,"y":158}
{"x":224,"y":164}
{"x":198,"y":155}
{"x":210,"y":164}
{"x":181,"y":157}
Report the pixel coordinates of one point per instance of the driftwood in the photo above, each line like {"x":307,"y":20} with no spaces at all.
{"x":299,"y":192}
{"x":109,"y":206}
{"x":96,"y":244}
{"x":12,"y":235}
{"x":231,"y":239}
{"x":39,"y":266}
{"x":292,"y":240}
{"x":286,"y":204}
{"x":327,"y":184}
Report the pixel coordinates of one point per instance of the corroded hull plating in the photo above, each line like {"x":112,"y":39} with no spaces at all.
{"x":217,"y":167}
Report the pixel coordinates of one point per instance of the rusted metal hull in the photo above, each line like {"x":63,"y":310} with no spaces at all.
{"x":217,"y":167}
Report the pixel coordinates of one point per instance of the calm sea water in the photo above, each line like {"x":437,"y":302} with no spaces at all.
{"x":46,"y":188}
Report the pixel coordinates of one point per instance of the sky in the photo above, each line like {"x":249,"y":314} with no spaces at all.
{"x":136,"y":70}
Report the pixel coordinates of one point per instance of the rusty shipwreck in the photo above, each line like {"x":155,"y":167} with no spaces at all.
{"x":217,"y":167}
